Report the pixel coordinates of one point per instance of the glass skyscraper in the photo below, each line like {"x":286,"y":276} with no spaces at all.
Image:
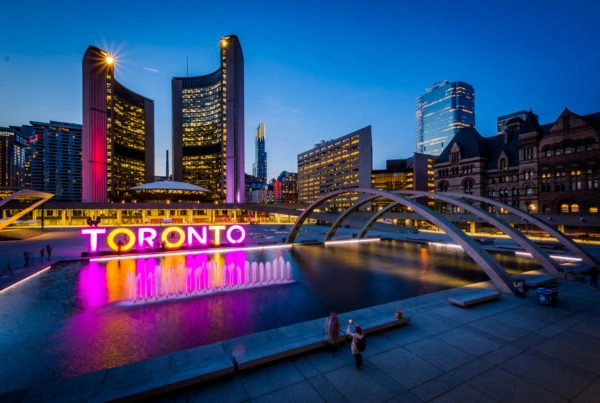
{"x":53,"y":159}
{"x":441,"y":113}
{"x":208,"y":127}
{"x":260,"y":164}
{"x":118,"y":133}
{"x":343,"y":163}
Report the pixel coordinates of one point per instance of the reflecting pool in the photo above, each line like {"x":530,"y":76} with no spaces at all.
{"x":82,"y":317}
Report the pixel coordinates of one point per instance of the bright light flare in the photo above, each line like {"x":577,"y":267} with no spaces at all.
{"x":109,"y":59}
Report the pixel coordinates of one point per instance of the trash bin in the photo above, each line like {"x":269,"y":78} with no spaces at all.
{"x":519,"y":286}
{"x":546,"y":296}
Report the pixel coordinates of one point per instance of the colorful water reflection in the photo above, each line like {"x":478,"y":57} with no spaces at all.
{"x":144,"y":280}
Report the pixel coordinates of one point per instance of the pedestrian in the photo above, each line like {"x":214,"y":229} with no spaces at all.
{"x":357,"y":337}
{"x":42,"y":252}
{"x":49,"y":250}
{"x":594,"y":277}
{"x":8,"y":269}
{"x":332,"y":331}
{"x":26,"y":257}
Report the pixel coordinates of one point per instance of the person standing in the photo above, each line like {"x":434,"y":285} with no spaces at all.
{"x":332,"y":331}
{"x":49,"y":250}
{"x":42,"y":252}
{"x":357,"y":335}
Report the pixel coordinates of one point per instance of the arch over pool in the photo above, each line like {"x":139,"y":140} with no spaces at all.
{"x":564,"y":240}
{"x":491,"y":267}
{"x":495,"y":272}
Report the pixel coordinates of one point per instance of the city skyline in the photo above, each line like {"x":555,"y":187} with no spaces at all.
{"x":312,"y":71}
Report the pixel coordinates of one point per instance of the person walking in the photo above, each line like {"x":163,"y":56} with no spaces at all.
{"x":8,"y":269}
{"x":357,"y":337}
{"x":332,"y":331}
{"x":49,"y":250}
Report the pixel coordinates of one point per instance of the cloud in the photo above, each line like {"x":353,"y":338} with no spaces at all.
{"x":151,"y":69}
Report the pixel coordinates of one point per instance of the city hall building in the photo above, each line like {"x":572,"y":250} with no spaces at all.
{"x":117,"y":134}
{"x":551,"y":169}
{"x":208,"y":127}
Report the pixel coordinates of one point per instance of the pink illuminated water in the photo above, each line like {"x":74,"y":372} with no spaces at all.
{"x":83,"y":317}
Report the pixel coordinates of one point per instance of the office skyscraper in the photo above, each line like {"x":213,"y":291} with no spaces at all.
{"x":53,"y":158}
{"x":260,"y":163}
{"x":441,"y":113}
{"x":7,"y":156}
{"x":504,"y":119}
{"x":343,"y":163}
{"x":208,"y":127}
{"x":118,"y":133}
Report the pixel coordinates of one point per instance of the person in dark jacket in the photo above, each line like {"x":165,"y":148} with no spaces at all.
{"x":356,"y":335}
{"x":332,"y":331}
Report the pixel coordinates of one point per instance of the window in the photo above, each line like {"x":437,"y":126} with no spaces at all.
{"x":455,"y":157}
{"x":576,"y":182}
{"x":468,"y":186}
{"x":503,"y":165}
{"x":528,"y":153}
{"x":529,"y":190}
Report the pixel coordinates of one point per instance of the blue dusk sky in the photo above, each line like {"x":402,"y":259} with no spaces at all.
{"x":314,"y":70}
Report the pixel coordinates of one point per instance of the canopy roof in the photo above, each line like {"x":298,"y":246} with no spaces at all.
{"x":169,"y":190}
{"x":170,"y":186}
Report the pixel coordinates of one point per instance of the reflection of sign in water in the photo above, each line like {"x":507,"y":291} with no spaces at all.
{"x":196,"y":275}
{"x":171,"y":237}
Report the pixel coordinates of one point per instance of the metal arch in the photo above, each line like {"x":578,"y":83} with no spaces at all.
{"x":369,"y":223}
{"x":547,"y":262}
{"x":346,"y":214}
{"x":308,"y":211}
{"x":566,"y":241}
{"x":491,"y":267}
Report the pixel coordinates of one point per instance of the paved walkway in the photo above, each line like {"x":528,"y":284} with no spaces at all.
{"x":508,"y":350}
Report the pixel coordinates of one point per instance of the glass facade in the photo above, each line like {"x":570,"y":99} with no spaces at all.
{"x":126,"y":157}
{"x":261,"y":155}
{"x":202,"y":127}
{"x":7,"y":167}
{"x":441,"y":112}
{"x":208,"y":121}
{"x":53,"y":153}
{"x":337,"y":164}
{"x":117,"y":135}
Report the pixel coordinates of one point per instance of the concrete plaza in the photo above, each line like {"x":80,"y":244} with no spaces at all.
{"x":508,"y":350}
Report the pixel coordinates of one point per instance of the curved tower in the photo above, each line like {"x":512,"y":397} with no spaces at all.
{"x":118,"y":133}
{"x":208,"y":126}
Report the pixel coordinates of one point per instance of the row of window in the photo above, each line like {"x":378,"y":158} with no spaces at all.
{"x":552,"y":151}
